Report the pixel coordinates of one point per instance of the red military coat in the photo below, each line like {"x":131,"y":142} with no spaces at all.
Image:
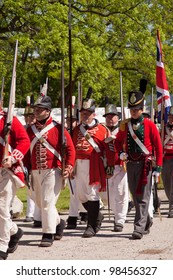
{"x":18,"y":146}
{"x":40,"y":156}
{"x":84,"y":150}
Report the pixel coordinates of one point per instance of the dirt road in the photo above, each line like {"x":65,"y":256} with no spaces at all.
{"x":106,"y":245}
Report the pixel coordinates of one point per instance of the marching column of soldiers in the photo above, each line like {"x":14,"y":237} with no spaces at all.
{"x":115,"y":157}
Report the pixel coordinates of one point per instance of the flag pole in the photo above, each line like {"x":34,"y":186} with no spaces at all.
{"x":79,"y":100}
{"x":162,"y":120}
{"x":152,"y":105}
{"x":121,"y":98}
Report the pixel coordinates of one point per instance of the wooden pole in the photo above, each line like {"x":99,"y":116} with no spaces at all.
{"x":70,"y":64}
{"x":121,"y":98}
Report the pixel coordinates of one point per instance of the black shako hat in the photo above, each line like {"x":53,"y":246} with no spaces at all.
{"x":88,"y":103}
{"x":44,"y":102}
{"x":136,"y":97}
{"x":136,"y":100}
{"x":110,"y":109}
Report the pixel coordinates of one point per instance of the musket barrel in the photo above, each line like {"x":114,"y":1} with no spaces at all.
{"x":13,"y":89}
{"x":62,"y":122}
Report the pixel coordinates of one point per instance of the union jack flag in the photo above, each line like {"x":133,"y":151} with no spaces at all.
{"x":163,"y":96}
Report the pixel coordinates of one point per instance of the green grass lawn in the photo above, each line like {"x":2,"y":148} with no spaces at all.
{"x":63,"y":201}
{"x":62,"y":204}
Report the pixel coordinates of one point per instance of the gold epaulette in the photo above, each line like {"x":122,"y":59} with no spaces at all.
{"x":123,"y":124}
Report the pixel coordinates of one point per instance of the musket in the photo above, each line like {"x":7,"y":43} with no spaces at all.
{"x":63,"y":144}
{"x":2,"y":93}
{"x":121,"y":98}
{"x":79,"y":99}
{"x":122,"y":115}
{"x":11,"y":105}
{"x":70,"y":60}
{"x":10,"y":114}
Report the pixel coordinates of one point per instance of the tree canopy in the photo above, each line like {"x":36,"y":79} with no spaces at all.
{"x":107,"y":37}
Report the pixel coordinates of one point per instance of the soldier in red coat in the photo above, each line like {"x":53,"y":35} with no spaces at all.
{"x":75,"y":205}
{"x":46,"y":165}
{"x":136,"y":140}
{"x":94,"y":163}
{"x":11,"y":178}
{"x":117,"y":185}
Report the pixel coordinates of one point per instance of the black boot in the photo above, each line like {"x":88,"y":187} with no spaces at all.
{"x":3,"y":255}
{"x":47,"y":240}
{"x":14,"y":241}
{"x":93,"y":212}
{"x":84,"y":217}
{"x":148,"y":225}
{"x":71,"y":222}
{"x":60,"y":230}
{"x":100,"y":218}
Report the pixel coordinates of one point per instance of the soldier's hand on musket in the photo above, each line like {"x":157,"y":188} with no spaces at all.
{"x":8,"y":161}
{"x":156,"y":174}
{"x":109,"y":171}
{"x":72,"y":175}
{"x":67,"y":171}
{"x":123,"y":156}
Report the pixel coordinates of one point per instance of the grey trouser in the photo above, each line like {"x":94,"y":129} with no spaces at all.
{"x":141,"y":201}
{"x":167,"y":177}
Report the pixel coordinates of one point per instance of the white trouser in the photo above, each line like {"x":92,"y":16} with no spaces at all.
{"x":119,"y":194}
{"x":75,"y":204}
{"x":7,"y":193}
{"x":47,"y":186}
{"x":30,"y":206}
{"x":85,"y":191}
{"x":37,"y":211}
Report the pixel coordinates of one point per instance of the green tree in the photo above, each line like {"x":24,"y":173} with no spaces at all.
{"x":107,"y":37}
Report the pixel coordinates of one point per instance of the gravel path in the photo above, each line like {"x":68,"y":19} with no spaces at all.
{"x":106,"y":245}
